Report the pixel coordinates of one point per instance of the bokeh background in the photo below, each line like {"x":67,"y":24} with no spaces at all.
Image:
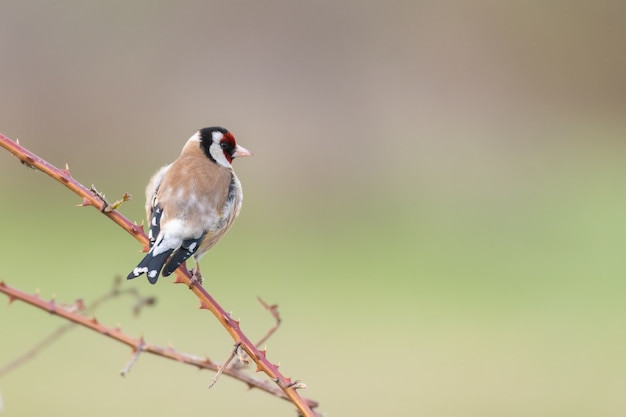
{"x":437,"y":201}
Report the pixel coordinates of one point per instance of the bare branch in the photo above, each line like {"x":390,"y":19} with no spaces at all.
{"x":273,"y":309}
{"x":182,"y":275}
{"x":135,"y":357}
{"x":137,"y":344}
{"x":115,"y":292}
{"x":224,"y":365}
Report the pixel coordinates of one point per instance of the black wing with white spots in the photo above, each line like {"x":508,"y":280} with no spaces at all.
{"x":151,"y":264}
{"x":155,"y":224}
{"x":188,"y":248}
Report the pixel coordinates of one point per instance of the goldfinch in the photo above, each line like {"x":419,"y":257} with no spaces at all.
{"x":191,"y":203}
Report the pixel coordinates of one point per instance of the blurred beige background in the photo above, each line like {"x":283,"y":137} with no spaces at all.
{"x":436,"y":200}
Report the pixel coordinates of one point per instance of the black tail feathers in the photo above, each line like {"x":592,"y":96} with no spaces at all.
{"x":151,"y":266}
{"x":188,"y":248}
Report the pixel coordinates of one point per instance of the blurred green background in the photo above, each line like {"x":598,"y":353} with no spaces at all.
{"x":436,"y":201}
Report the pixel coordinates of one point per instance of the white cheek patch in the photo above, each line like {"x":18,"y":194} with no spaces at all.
{"x":218,"y":154}
{"x":217,"y":136}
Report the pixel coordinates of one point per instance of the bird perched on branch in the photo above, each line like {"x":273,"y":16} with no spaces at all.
{"x":191,"y":203}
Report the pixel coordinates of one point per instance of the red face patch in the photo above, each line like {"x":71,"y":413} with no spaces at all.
{"x":228,"y":145}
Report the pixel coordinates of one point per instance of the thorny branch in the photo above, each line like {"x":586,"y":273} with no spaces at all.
{"x":115,"y":291}
{"x":74,"y":316}
{"x":89,"y":198}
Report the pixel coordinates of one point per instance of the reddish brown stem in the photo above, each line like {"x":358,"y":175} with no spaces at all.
{"x":182,"y":275}
{"x":74,"y":316}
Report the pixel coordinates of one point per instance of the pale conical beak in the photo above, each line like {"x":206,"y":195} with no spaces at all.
{"x":241,"y":151}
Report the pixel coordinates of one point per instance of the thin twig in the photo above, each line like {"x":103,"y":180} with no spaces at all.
{"x":219,"y":372}
{"x":135,"y":358}
{"x":64,"y":328}
{"x":73,"y":316}
{"x":273,"y":309}
{"x":37,"y":348}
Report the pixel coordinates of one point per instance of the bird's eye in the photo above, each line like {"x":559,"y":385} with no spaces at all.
{"x":227,"y":146}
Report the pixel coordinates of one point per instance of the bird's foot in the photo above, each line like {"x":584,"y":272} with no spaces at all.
{"x":196,"y":278}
